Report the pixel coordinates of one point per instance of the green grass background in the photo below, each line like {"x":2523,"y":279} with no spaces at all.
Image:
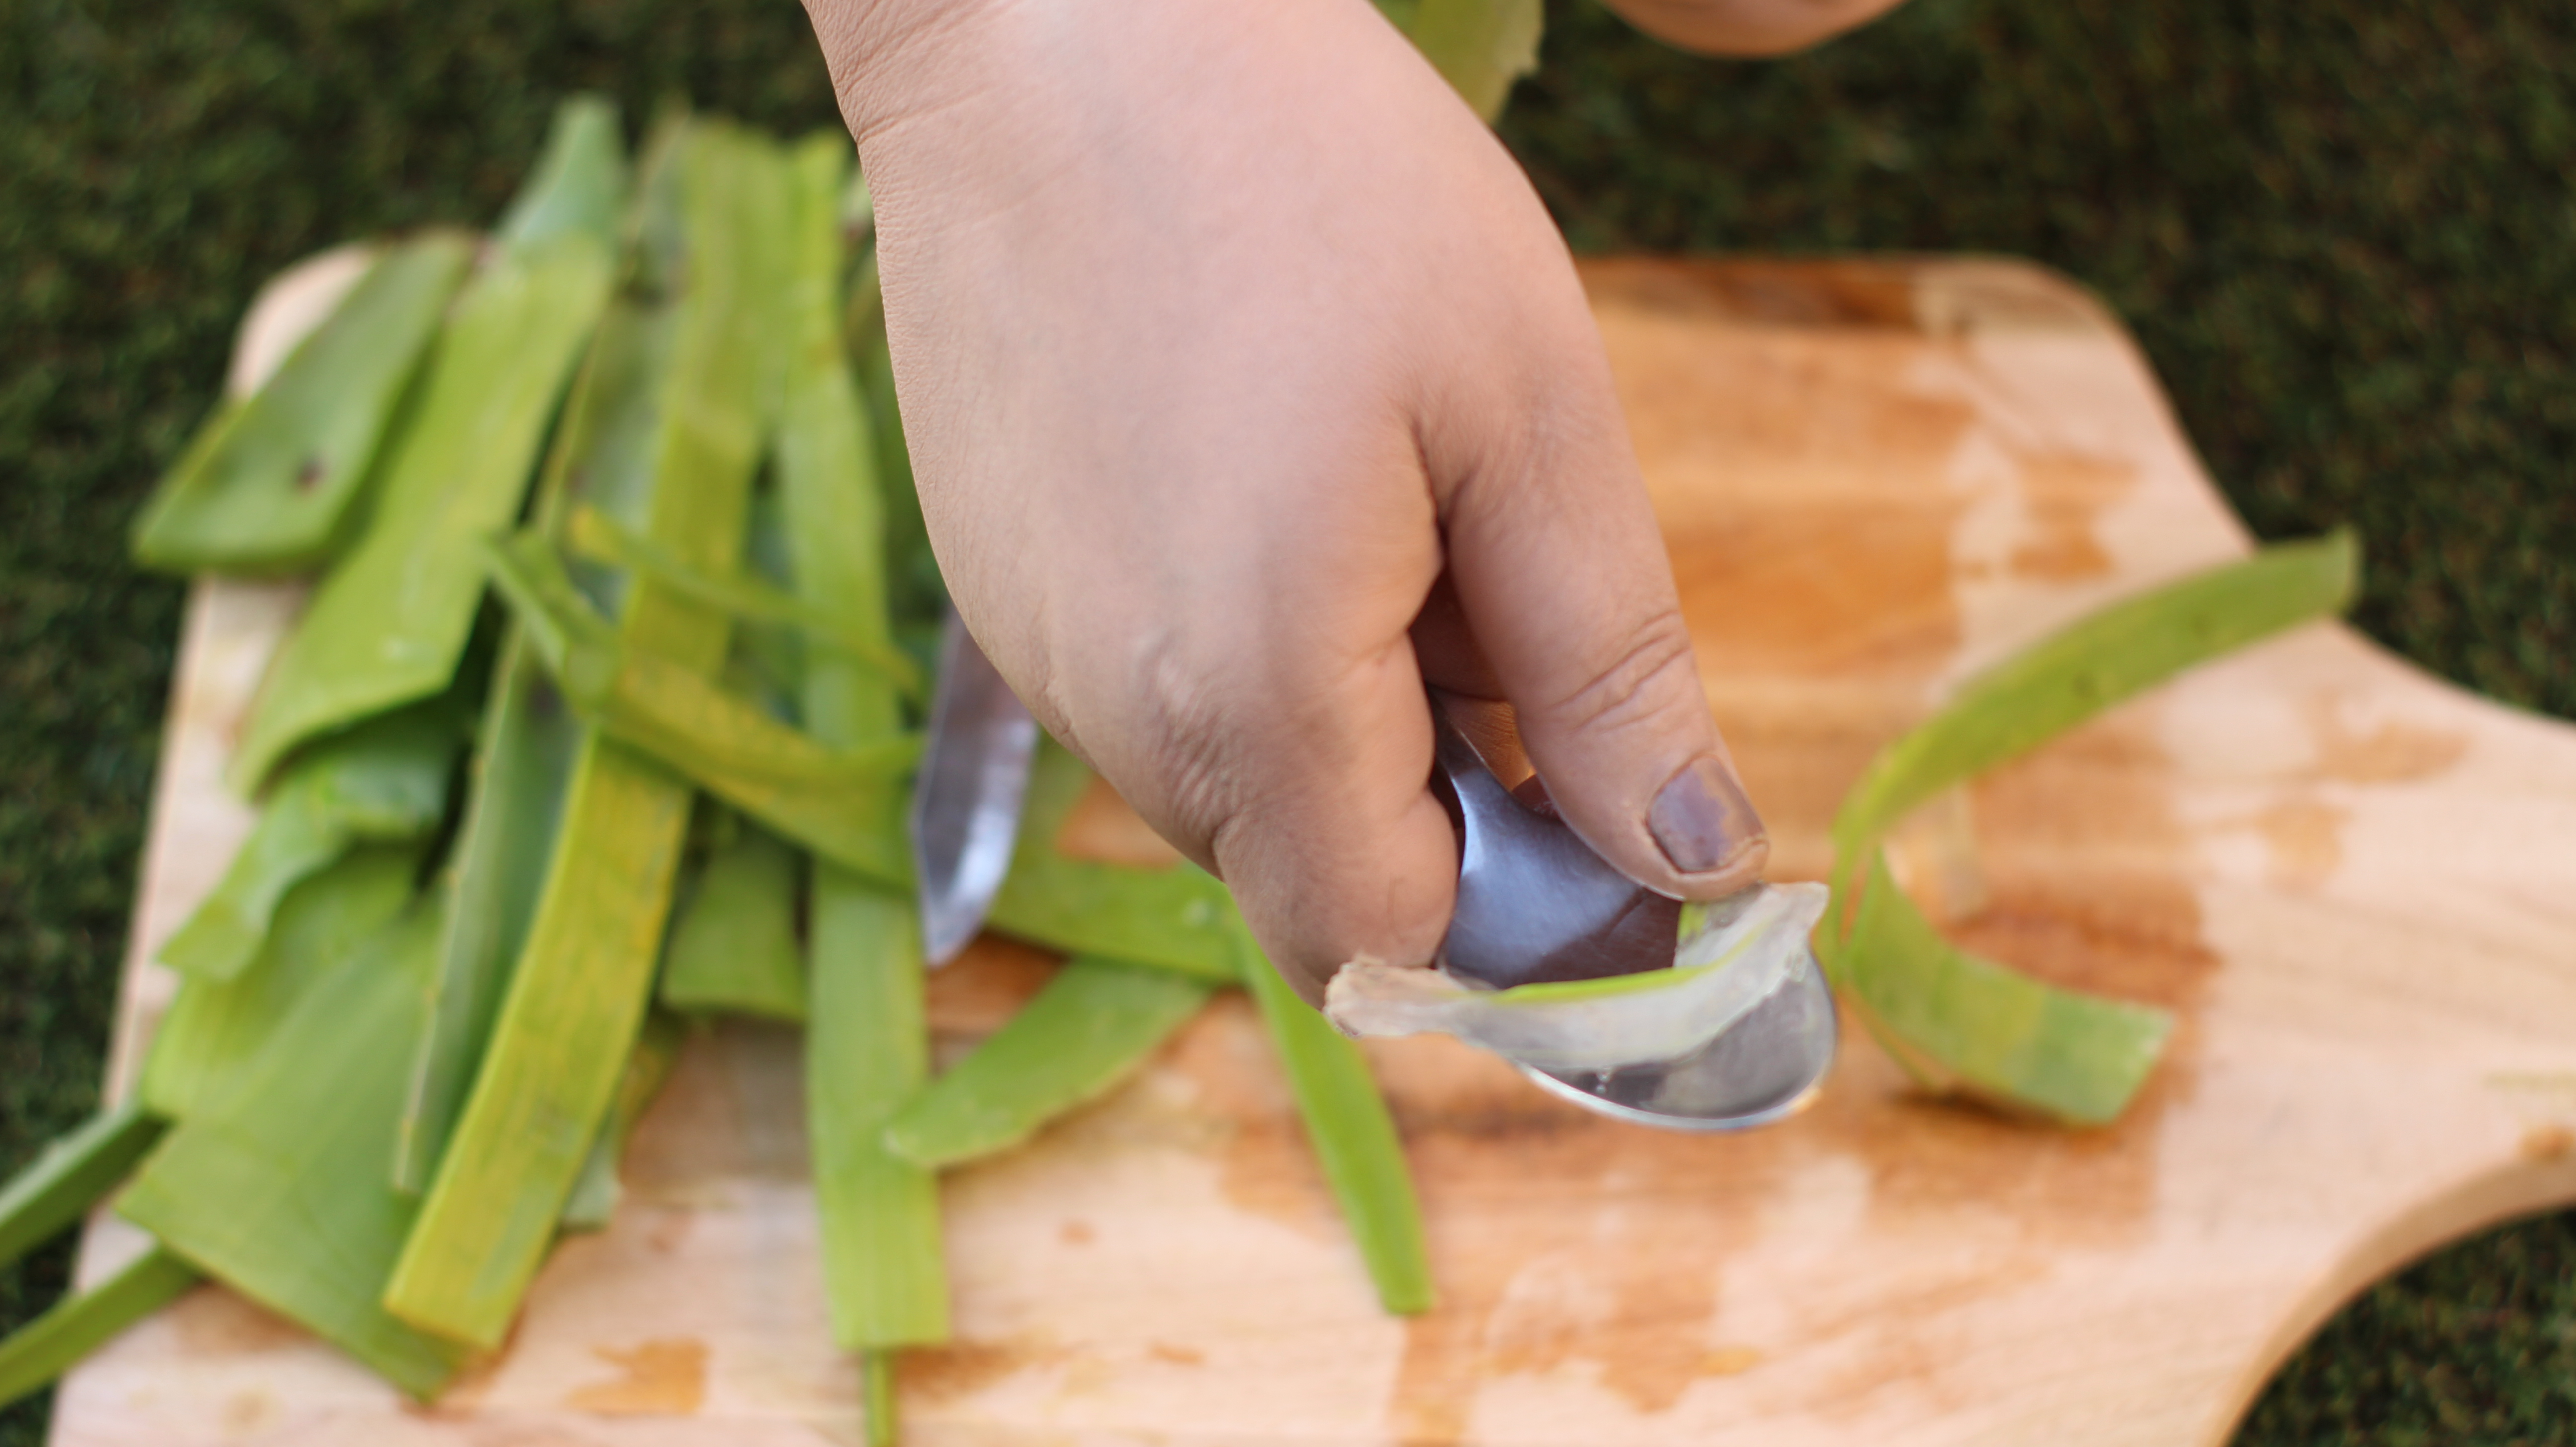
{"x":2345,"y":234}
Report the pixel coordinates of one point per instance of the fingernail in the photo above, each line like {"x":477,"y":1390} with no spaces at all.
{"x":1702,"y":819}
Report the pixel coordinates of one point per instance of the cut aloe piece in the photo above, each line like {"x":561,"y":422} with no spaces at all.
{"x":278,"y":1187}
{"x":1479,"y":46}
{"x":276,"y":481}
{"x":216,"y":1030}
{"x":733,"y":949}
{"x":1094,"y":1025}
{"x":69,"y":1176}
{"x":385,"y":780}
{"x":42,"y":1350}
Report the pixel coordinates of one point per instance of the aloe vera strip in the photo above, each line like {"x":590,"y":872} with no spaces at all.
{"x":278,"y":1189}
{"x":1479,"y":46}
{"x":524,"y":753}
{"x":390,"y":620}
{"x":882,"y":1423}
{"x":1950,"y":1017}
{"x":600,"y":538}
{"x":216,"y":1029}
{"x":1093,"y":1025}
{"x":1354,"y":1137}
{"x":578,"y":992}
{"x":1178,"y":919}
{"x":733,"y":948}
{"x":579,"y":182}
{"x":35,"y":1354}
{"x":868,"y":1043}
{"x":1996,"y":1032}
{"x":282,"y":473}
{"x":386,"y":779}
{"x":67,"y":1178}
{"x":648,"y":1068}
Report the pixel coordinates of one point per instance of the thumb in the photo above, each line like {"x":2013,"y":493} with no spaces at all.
{"x":1563,"y":584}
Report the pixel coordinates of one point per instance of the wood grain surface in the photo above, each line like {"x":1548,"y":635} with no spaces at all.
{"x":2356,"y":884}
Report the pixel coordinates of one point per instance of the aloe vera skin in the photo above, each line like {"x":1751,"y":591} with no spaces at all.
{"x":1092,"y":1027}
{"x":1352,"y":1133}
{"x":389,"y":622}
{"x":648,"y":1068}
{"x":386,"y":779}
{"x":278,"y":1188}
{"x":868,"y":1044}
{"x":578,"y":992}
{"x":216,"y":1030}
{"x":1951,"y":1018}
{"x":281,"y":478}
{"x":733,"y":948}
{"x":529,"y":739}
{"x":42,"y":1350}
{"x":834,"y":802}
{"x":69,"y":1176}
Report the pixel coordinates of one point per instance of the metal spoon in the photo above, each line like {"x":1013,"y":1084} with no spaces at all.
{"x":1535,"y":903}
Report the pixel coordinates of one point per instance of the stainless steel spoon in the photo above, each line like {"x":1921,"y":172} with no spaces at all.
{"x":1535,"y":904}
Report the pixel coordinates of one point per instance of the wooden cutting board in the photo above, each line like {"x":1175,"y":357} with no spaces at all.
{"x":2356,"y":884}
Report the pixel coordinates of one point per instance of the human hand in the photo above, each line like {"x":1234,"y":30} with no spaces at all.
{"x":1227,"y":340}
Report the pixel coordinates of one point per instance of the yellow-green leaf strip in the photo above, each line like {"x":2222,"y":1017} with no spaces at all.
{"x":733,"y":946}
{"x":216,"y":1030}
{"x":384,"y":780}
{"x":42,"y":1350}
{"x":277,"y":480}
{"x":55,"y":1190}
{"x":1353,"y":1136}
{"x":278,"y":1189}
{"x":1094,"y":1025}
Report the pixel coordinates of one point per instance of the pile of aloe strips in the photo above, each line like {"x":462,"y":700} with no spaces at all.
{"x":599,"y":723}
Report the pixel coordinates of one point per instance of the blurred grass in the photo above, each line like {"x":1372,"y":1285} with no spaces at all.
{"x":2344,"y":237}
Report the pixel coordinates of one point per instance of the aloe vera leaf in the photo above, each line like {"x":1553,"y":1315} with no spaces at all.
{"x":1949,"y":1016}
{"x":593,"y":534}
{"x":35,"y":1354}
{"x":390,"y":620}
{"x":733,"y":949}
{"x":1994,"y":1031}
{"x":1479,"y":46}
{"x":883,"y":1422}
{"x":1093,"y":1025}
{"x":842,"y":803}
{"x":868,"y":1044}
{"x":216,"y":1029}
{"x":648,"y":1068}
{"x":386,"y":779}
{"x":579,"y":990}
{"x":278,"y":1188}
{"x":2083,"y":669}
{"x":70,"y":1174}
{"x":524,"y":755}
{"x":1354,"y":1137}
{"x":283,"y":472}
{"x":1178,"y":919}
{"x":579,"y":182}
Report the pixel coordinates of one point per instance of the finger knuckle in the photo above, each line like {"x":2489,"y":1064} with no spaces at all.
{"x":1636,"y":684}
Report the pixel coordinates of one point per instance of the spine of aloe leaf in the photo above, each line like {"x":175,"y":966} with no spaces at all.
{"x":868,"y":1044}
{"x":733,"y":948}
{"x":583,"y":979}
{"x":389,"y":622}
{"x":282,"y":473}
{"x":384,"y":780}
{"x":42,"y":1350}
{"x":1353,"y":1136}
{"x":70,"y":1175}
{"x":1094,"y":1025}
{"x":524,"y":752}
{"x":278,"y":1188}
{"x":216,"y":1030}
